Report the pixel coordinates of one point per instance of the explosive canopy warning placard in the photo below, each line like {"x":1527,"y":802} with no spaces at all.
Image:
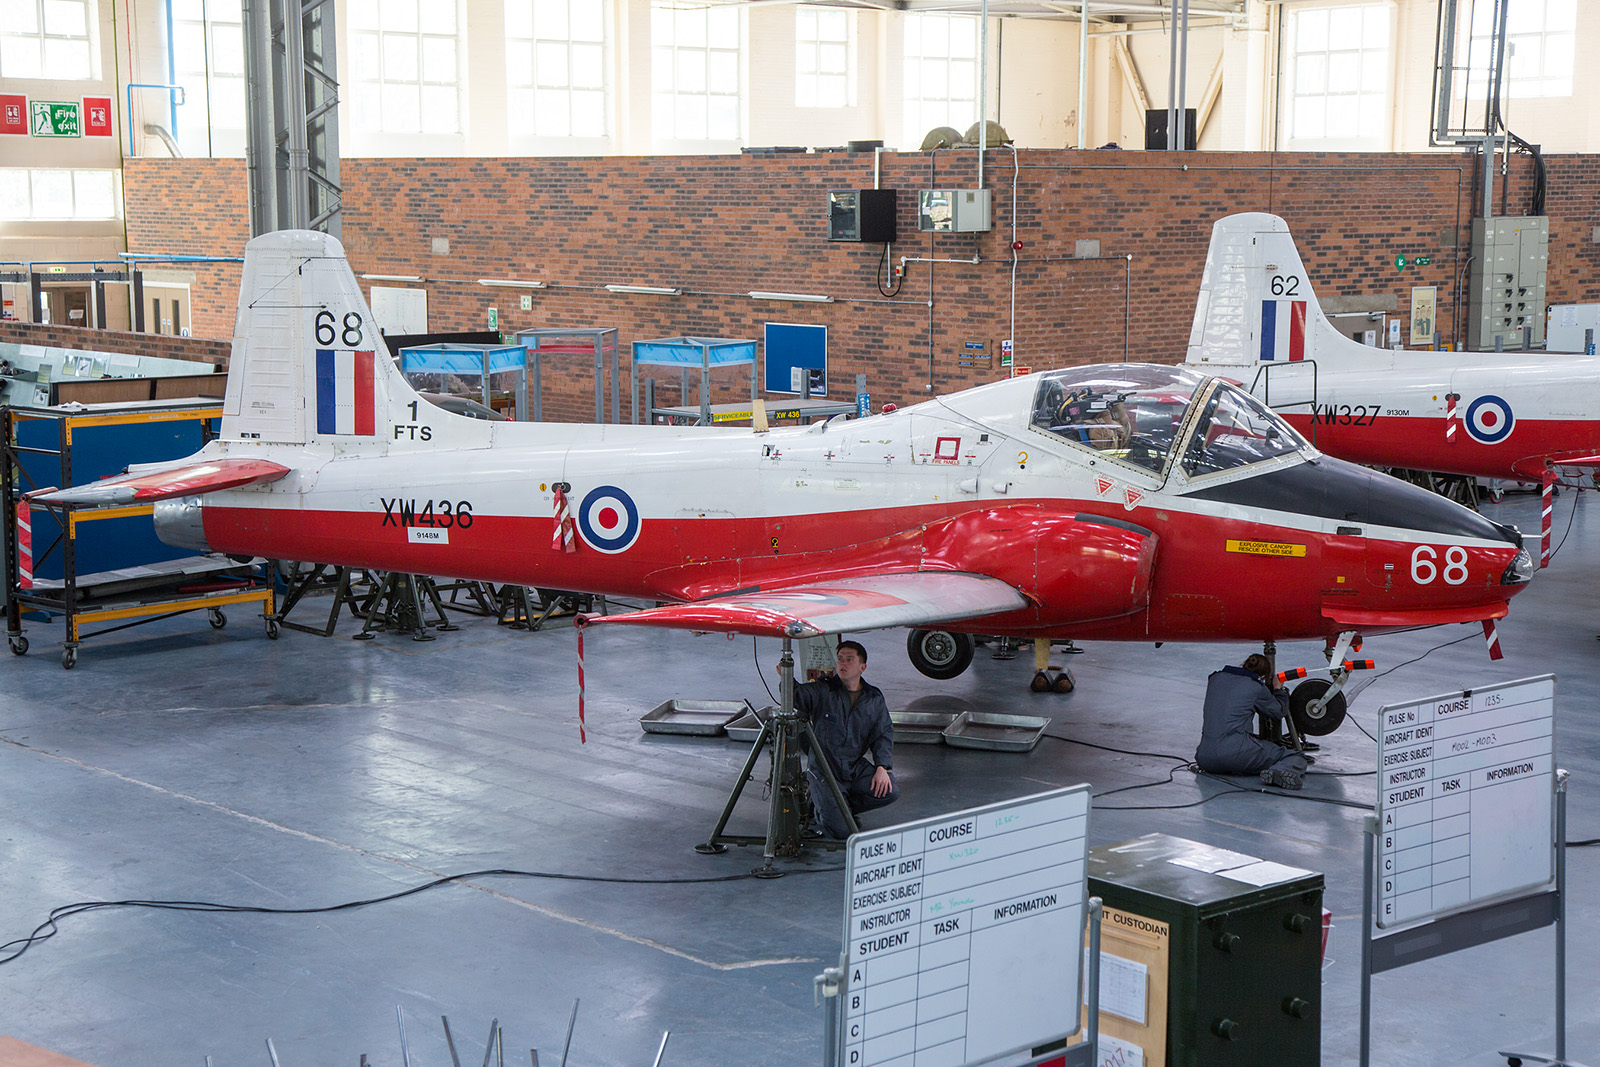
{"x":1465,"y":798}
{"x":963,"y":933}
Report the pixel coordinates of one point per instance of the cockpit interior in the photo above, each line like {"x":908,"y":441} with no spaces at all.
{"x":1147,"y":415}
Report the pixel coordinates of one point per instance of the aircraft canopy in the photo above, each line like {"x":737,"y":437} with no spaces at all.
{"x":1148,"y":415}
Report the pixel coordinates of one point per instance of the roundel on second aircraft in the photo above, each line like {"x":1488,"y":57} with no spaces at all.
{"x":608,"y":519}
{"x":1489,"y":419}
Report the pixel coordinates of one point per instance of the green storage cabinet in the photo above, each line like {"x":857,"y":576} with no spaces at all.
{"x":1245,"y":965}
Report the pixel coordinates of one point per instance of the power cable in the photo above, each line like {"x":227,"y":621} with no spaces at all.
{"x":49,"y":928}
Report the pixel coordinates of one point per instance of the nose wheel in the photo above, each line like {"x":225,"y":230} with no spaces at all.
{"x":1315,"y":713}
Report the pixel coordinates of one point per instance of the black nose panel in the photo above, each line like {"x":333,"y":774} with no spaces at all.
{"x":1333,"y":489}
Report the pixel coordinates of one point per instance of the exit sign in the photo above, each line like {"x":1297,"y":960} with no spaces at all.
{"x":49,"y":118}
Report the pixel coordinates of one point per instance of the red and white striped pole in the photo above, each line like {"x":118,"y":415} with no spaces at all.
{"x":24,"y":545}
{"x":1493,"y":638}
{"x":1450,"y":417}
{"x":1548,"y":502}
{"x":578,"y":624}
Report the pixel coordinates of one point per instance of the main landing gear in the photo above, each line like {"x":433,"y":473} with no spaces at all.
{"x":1047,"y":677}
{"x":943,"y":655}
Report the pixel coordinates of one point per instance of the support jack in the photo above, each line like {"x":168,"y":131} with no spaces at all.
{"x":788,"y":735}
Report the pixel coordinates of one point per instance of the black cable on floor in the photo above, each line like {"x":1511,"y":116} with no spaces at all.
{"x":48,"y":929}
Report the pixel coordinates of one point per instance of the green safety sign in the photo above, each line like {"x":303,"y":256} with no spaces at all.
{"x":494,"y":318}
{"x":1423,"y":261}
{"x":47,"y":118}
{"x":1400,"y":261}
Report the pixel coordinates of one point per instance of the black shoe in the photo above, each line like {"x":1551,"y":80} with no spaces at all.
{"x":1283,"y":779}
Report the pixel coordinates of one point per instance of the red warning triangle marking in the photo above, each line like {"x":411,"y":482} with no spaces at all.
{"x":1131,"y":496}
{"x":1104,"y":485}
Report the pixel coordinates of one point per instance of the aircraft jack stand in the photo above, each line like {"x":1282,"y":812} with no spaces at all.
{"x":1048,"y":678}
{"x":399,"y":605}
{"x":790,"y":795}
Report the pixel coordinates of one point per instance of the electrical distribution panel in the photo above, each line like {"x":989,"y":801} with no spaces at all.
{"x":1506,"y":292}
{"x":866,"y":215}
{"x":953,"y":210}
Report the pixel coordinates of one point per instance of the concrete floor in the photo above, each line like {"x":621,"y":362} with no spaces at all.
{"x":181,"y":763}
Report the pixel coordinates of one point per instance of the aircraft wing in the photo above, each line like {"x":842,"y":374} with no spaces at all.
{"x":919,"y":598}
{"x":143,"y":487}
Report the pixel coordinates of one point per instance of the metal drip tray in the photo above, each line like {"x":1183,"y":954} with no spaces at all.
{"x":747,"y":727}
{"x":924,"y":720}
{"x":702,"y":718}
{"x":920,"y":727}
{"x":998,"y":733}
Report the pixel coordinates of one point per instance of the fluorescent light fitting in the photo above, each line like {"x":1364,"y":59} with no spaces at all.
{"x":392,"y":277}
{"x":814,"y":298}
{"x":511,"y":283}
{"x":656,"y":290}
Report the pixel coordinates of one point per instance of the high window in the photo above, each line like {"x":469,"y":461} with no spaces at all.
{"x":941,"y":74}
{"x":48,"y":39}
{"x":58,"y":194}
{"x":405,"y":70}
{"x":1338,"y":85}
{"x":823,"y":47}
{"x":695,"y":74}
{"x":208,"y":61}
{"x":556,"y":68}
{"x":1540,"y":41}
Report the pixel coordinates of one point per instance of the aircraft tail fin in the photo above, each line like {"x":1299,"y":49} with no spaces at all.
{"x":309,"y":366}
{"x":1256,"y":305}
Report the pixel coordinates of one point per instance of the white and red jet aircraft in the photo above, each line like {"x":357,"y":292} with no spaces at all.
{"x":1118,"y":501}
{"x":1527,"y":416}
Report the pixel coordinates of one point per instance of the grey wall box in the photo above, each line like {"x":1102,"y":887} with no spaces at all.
{"x":953,"y":210}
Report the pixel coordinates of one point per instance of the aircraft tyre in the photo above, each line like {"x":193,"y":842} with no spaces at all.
{"x":1327,"y":718}
{"x":939,"y":653}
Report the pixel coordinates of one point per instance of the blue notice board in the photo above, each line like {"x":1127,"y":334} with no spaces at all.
{"x":793,"y":351}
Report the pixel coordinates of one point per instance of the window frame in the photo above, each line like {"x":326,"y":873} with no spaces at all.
{"x":808,"y":93}
{"x":90,"y":40}
{"x":914,"y":121}
{"x":33,"y":174}
{"x":576,"y":141}
{"x":675,"y":140}
{"x":204,"y":100}
{"x":368,"y":92}
{"x":1475,"y":34}
{"x":1290,"y":93}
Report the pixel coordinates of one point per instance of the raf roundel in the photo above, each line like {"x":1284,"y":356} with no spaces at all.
{"x":608,"y":519}
{"x":1489,"y":419}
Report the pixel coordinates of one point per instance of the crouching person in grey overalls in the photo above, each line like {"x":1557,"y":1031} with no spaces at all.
{"x":1234,"y":697}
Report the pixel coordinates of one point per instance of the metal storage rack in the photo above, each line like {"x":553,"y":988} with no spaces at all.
{"x":146,"y":590}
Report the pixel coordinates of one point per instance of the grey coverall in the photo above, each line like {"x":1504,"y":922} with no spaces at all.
{"x":1234,"y":697}
{"x":856,"y":741}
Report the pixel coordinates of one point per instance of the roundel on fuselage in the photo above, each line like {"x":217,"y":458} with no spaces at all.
{"x":1489,"y":419}
{"x":608,"y":519}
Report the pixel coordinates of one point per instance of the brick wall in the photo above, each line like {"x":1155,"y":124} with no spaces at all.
{"x":199,"y":349}
{"x":720,"y":226}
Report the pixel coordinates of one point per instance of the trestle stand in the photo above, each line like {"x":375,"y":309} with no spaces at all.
{"x":789,"y":795}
